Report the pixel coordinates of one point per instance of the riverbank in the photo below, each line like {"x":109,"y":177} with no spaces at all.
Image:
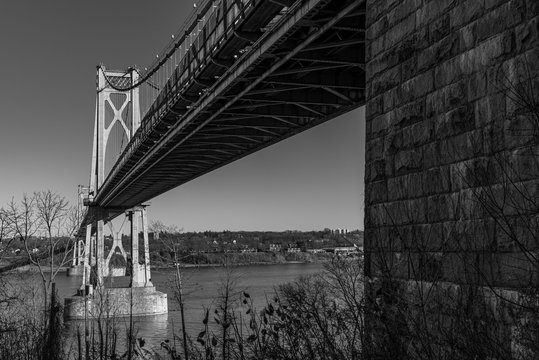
{"x":243,"y":259}
{"x":194,"y":266}
{"x":216,"y":260}
{"x":34,"y":269}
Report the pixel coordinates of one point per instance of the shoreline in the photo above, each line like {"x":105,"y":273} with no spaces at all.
{"x":188,"y":265}
{"x":63,"y":269}
{"x":35,"y":269}
{"x":30,"y":268}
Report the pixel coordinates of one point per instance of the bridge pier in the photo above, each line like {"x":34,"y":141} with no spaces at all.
{"x":140,"y":272}
{"x":147,"y":277}
{"x":77,"y":267}
{"x":444,"y":164}
{"x":100,"y":251}
{"x":87,"y":266}
{"x":96,"y":295}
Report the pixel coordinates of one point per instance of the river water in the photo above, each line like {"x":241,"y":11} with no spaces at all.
{"x":201,"y":288}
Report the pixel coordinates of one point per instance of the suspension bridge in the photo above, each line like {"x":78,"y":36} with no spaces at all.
{"x":239,"y":76}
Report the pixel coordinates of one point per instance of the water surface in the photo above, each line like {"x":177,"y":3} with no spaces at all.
{"x":201,"y":289}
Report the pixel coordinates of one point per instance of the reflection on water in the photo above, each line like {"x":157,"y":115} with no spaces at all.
{"x":153,"y":329}
{"x":201,"y":288}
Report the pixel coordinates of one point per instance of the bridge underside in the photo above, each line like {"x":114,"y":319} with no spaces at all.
{"x":265,"y":84}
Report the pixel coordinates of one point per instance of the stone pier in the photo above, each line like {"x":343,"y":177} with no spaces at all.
{"x":141,"y":301}
{"x":451,"y":175}
{"x":138,"y":296}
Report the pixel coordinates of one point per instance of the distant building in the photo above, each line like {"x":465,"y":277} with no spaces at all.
{"x":275,"y":247}
{"x":340,"y":231}
{"x":293,"y":250}
{"x":346,"y":250}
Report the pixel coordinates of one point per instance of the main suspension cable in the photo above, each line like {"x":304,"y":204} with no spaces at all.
{"x":173,"y":46}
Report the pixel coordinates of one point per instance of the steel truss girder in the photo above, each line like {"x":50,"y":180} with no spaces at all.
{"x":314,"y":59}
{"x":221,"y":136}
{"x":199,"y":116}
{"x":279,"y":118}
{"x":245,"y":127}
{"x":262,"y":127}
{"x":271,"y":102}
{"x":305,"y":84}
{"x":338,"y":94}
{"x":273,"y":90}
{"x":281,"y":115}
{"x":277,"y":105}
{"x":325,"y":46}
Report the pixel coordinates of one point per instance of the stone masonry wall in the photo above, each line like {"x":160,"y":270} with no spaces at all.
{"x":451,"y":167}
{"x":118,"y":302}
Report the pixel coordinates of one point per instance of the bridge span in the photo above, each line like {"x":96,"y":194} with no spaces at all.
{"x":279,"y":68}
{"x":241,"y":75}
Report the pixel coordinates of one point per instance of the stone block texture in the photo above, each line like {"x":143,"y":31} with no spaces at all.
{"x":117,"y":302}
{"x":452,"y":167}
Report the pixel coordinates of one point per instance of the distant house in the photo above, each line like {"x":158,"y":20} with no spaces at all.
{"x":346,"y":250}
{"x":293,"y":250}
{"x":275,"y":247}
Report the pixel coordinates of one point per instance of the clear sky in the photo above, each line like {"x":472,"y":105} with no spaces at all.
{"x":48,"y":57}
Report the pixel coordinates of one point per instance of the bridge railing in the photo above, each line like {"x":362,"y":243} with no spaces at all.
{"x":202,"y":33}
{"x":182,"y":61}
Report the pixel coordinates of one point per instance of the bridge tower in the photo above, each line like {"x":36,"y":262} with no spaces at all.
{"x":121,"y":109}
{"x":117,"y":117}
{"x":113,"y":108}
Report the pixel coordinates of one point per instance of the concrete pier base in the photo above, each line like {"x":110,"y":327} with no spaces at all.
{"x":76,"y":270}
{"x":119,"y":302}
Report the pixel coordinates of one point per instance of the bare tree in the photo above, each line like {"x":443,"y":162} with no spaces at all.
{"x":23,"y":220}
{"x":315,"y":317}
{"x":6,"y":231}
{"x":43,"y":211}
{"x":169,"y":237}
{"x":73,"y":220}
{"x":52,"y":210}
{"x":7,"y":296}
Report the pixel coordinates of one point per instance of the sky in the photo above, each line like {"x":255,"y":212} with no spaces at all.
{"x":48,"y":57}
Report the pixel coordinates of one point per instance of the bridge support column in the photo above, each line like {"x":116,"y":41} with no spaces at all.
{"x":77,"y":267}
{"x":136,"y":269}
{"x":100,"y":252}
{"x":146,"y":262}
{"x":83,"y":264}
{"x":75,"y":253}
{"x":80,"y":253}
{"x":140,"y":270}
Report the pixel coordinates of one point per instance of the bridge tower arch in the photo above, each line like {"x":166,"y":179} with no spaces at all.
{"x":125,"y":109}
{"x":119,"y":111}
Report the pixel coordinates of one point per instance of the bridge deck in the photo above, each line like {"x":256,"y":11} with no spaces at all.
{"x":276,"y":72}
